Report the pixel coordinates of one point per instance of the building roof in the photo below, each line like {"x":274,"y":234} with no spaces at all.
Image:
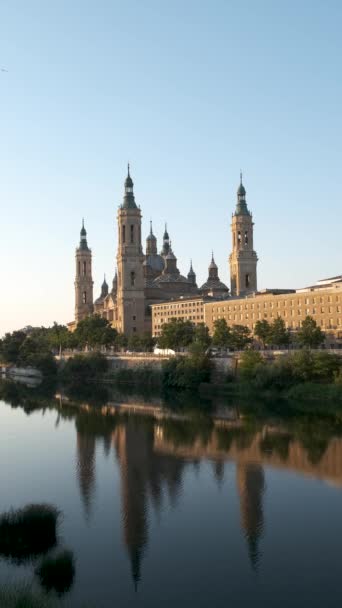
{"x":214,"y":284}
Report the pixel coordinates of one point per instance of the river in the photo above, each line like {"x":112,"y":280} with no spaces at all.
{"x":169,"y":507}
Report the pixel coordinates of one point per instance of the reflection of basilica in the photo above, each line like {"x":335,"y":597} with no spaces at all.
{"x":152,"y":463}
{"x":250,"y":483}
{"x":86,"y":468}
{"x":144,"y":472}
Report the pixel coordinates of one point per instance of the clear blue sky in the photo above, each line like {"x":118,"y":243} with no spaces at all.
{"x":189,"y":92}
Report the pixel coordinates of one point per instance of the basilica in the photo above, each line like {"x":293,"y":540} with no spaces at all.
{"x":146,"y":278}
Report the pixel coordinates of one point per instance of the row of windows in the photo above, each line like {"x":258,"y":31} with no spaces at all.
{"x":185,"y":318}
{"x":278,"y":304}
{"x":329,"y":323}
{"x":176,"y":306}
{"x":299,"y":312}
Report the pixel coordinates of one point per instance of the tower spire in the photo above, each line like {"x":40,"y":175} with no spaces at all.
{"x":129,"y":200}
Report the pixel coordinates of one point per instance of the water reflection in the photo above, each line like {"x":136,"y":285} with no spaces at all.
{"x":154,"y":448}
{"x":251,"y":487}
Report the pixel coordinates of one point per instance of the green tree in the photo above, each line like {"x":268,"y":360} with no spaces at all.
{"x":59,"y":336}
{"x":249,"y":363}
{"x":121,"y":341}
{"x":10,"y":346}
{"x":262,"y":331}
{"x":147,"y":342}
{"x":176,"y":334}
{"x":240,"y":336}
{"x":134,"y":343}
{"x":279,"y":334}
{"x":95,"y":331}
{"x":222,"y":337}
{"x":201,"y":336}
{"x":310,"y":335}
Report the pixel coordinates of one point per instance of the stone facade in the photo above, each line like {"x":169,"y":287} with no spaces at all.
{"x":142,"y":279}
{"x":322,"y":302}
{"x":148,"y":289}
{"x":187,"y":309}
{"x":83,"y":279}
{"x":243,"y":259}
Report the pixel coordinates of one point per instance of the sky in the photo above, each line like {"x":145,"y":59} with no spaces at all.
{"x":190,"y":92}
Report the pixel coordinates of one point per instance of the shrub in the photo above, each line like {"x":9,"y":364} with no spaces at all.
{"x":57,"y":572}
{"x":277,"y":374}
{"x":45,"y":362}
{"x":85,"y":368}
{"x":310,"y":366}
{"x":28,"y":532}
{"x":186,"y":372}
{"x":249,"y":362}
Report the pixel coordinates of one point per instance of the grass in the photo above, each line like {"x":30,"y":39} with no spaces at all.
{"x":28,"y":532}
{"x":57,"y":572}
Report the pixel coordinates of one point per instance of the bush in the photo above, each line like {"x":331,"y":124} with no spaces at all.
{"x":277,"y":374}
{"x":186,"y":372}
{"x":249,"y":362}
{"x":28,"y":532}
{"x":45,"y":362}
{"x":57,"y":572}
{"x":310,"y":366}
{"x":85,"y":368}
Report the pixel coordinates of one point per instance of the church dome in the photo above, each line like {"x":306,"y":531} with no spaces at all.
{"x":155,"y":261}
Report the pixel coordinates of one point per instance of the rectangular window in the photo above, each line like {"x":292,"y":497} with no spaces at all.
{"x":132,"y":233}
{"x":124,"y":234}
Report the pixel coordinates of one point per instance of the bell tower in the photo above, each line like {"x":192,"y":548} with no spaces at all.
{"x":83,"y":280}
{"x":243,"y":259}
{"x":130,"y":283}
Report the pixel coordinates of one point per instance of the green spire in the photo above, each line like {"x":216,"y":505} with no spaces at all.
{"x":129,"y":200}
{"x":241,"y":205}
{"x":83,"y":239}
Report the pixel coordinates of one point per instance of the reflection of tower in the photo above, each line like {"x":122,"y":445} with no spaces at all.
{"x":86,"y":468}
{"x":251,"y":486}
{"x":143,"y":473}
{"x":131,"y":446}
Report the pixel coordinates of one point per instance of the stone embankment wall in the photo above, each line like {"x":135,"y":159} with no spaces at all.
{"x":25,"y":372}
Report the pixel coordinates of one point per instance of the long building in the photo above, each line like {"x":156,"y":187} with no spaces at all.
{"x":322,"y":301}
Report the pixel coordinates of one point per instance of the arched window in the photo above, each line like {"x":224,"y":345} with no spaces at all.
{"x":239,"y":238}
{"x":79,"y":268}
{"x":132,"y":279}
{"x":246,"y":237}
{"x":84,"y":268}
{"x":132,"y":233}
{"x":84,"y":297}
{"x":124,"y":234}
{"x":247,"y":280}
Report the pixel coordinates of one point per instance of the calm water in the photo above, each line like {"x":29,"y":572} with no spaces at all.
{"x":168,"y":512}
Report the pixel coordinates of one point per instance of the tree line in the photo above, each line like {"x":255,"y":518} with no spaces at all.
{"x":178,"y":334}
{"x":36,"y":346}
